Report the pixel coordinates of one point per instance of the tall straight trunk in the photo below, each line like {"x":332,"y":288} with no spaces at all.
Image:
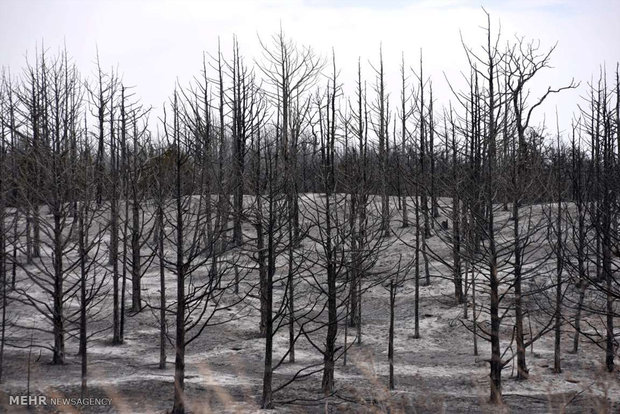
{"x":34,"y":241}
{"x":431,"y":153}
{"x":291,"y":295}
{"x":558,"y":287}
{"x":422,"y":145}
{"x":57,"y":314}
{"x":581,"y":244}
{"x":221,"y":220}
{"x":403,"y":144}
{"x":358,"y":211}
{"x":15,"y":194}
{"x":124,"y":271}
{"x":113,"y":251}
{"x":262,"y":270}
{"x":363,"y":202}
{"x":522,"y":371}
{"x":267,"y":397}
{"x":609,"y":313}
{"x":28,"y":232}
{"x":456,"y":226}
{"x":351,"y":272}
{"x":267,"y":298}
{"x":359,"y":274}
{"x":35,"y":112}
{"x":391,"y":334}
{"x":332,"y":323}
{"x":292,"y":224}
{"x":609,"y":199}
{"x":359,"y":312}
{"x":418,"y":233}
{"x":330,"y":181}
{"x":136,"y":266}
{"x":14,"y":252}
{"x":179,"y":362}
{"x":383,"y":151}
{"x":162,"y":285}
{"x":136,"y":258}
{"x":422,"y":181}
{"x":83,"y":332}
{"x":465,"y":299}
{"x":465,"y":231}
{"x":260,"y":236}
{"x":207,"y":146}
{"x":239,"y":93}
{"x":116,"y":338}
{"x":100,"y":174}
{"x":125,"y":187}
{"x":473,"y":309}
{"x":361,"y":240}
{"x":496,"y":361}
{"x":354,"y":271}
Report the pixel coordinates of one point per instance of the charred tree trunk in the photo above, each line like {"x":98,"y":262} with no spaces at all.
{"x":391,"y":334}
{"x":179,"y":362}
{"x":162,"y":284}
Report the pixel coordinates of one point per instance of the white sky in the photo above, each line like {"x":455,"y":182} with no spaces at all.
{"x":154,"y":43}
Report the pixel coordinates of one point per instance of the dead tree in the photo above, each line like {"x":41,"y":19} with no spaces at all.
{"x":199,"y":298}
{"x":523,"y":63}
{"x":291,"y":71}
{"x":61,"y":98}
{"x":102,"y":106}
{"x":92,"y":282}
{"x":380,"y":123}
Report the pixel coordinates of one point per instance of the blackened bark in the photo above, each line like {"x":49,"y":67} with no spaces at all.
{"x":391,"y":334}
{"x":179,"y":362}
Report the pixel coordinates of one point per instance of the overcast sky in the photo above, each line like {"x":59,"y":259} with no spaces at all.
{"x":156,"y":43}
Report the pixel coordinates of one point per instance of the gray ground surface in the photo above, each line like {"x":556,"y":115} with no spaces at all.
{"x":435,"y":373}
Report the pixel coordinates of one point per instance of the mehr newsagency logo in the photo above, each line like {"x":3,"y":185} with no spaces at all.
{"x":38,"y":400}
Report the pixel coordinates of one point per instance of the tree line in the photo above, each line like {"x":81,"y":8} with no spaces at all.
{"x":264,"y":189}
